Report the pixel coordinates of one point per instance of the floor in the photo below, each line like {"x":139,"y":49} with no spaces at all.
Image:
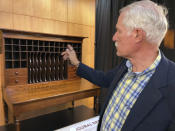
{"x":58,"y":120}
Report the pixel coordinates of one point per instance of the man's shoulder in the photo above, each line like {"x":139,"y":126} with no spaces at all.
{"x":171,"y":65}
{"x":171,"y":72}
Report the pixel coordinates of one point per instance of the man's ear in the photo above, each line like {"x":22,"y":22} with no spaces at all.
{"x":139,"y":35}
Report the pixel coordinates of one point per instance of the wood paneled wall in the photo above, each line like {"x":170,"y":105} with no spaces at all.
{"x":169,"y":40}
{"x":65,"y":17}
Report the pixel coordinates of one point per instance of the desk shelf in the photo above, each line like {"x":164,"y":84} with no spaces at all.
{"x":40,"y":54}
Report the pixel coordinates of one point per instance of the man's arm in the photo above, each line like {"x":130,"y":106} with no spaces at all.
{"x":97,"y":77}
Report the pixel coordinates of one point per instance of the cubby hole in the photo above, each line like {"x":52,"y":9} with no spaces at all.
{"x":8,"y":55}
{"x":23,"y":42}
{"x":46,"y":43}
{"x":40,"y":43}
{"x":29,"y":48}
{"x":8,"y":64}
{"x":15,"y":41}
{"x":16,"y":64}
{"x":35,"y":48}
{"x":8,"y":41}
{"x":8,"y":47}
{"x":23,"y":48}
{"x":35,"y":43}
{"x":29,"y":42}
{"x":15,"y":47}
{"x":23,"y":56}
{"x":15,"y":55}
{"x":52,"y":44}
{"x":23,"y":64}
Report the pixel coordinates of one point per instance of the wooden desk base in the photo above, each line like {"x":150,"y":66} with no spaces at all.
{"x":53,"y":121}
{"x":23,"y":99}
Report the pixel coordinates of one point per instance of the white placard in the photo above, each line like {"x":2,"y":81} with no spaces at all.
{"x":87,"y":125}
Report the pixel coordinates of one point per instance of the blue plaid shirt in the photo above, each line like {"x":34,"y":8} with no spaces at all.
{"x":125,"y":96}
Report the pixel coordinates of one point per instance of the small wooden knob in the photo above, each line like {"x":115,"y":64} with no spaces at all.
{"x":16,"y":73}
{"x":16,"y":81}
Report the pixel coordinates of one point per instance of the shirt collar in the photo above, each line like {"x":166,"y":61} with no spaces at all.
{"x":150,"y":68}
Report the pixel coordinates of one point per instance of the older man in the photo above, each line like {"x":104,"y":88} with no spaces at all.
{"x":142,"y":88}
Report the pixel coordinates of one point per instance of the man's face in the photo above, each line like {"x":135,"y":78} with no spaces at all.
{"x":124,"y":39}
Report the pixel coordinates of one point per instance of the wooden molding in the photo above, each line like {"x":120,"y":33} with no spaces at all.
{"x":2,"y":116}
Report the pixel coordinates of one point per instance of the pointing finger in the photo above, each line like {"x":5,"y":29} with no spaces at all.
{"x":70,"y":47}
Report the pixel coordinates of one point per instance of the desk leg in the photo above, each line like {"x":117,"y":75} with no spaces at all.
{"x":96,"y":104}
{"x":17,"y":123}
{"x":73,"y":103}
{"x":10,"y":117}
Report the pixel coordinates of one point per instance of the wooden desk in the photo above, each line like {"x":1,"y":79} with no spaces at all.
{"x":23,"y":99}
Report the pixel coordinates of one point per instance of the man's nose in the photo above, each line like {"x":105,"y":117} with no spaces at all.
{"x":114,"y":38}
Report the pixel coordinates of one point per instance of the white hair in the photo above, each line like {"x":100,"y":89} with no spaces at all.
{"x":149,"y":17}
